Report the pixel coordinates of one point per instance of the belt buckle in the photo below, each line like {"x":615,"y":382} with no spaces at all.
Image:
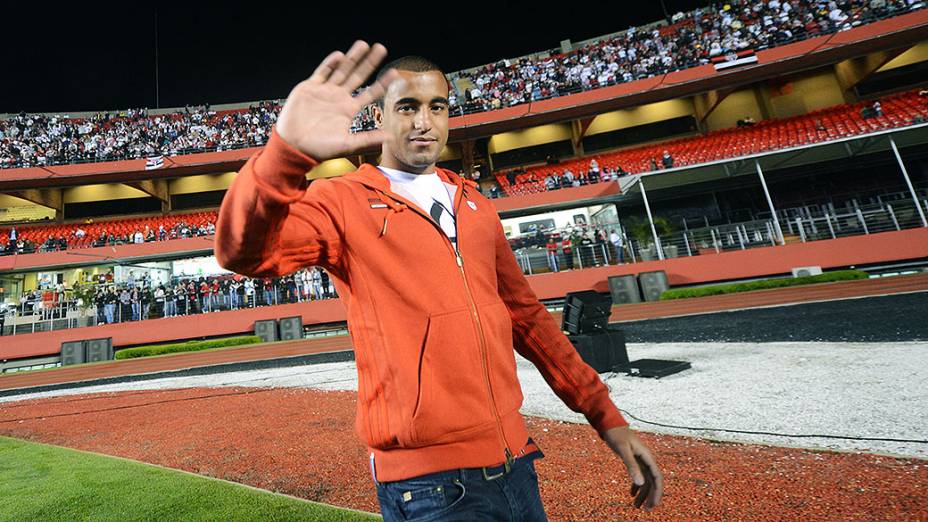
{"x":507,"y":467}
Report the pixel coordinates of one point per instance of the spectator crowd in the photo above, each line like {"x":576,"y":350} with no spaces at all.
{"x":690,"y":39}
{"x":685,"y":40}
{"x":140,"y":299}
{"x":36,"y":140}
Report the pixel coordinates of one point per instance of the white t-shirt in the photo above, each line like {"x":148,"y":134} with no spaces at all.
{"x":429,"y":192}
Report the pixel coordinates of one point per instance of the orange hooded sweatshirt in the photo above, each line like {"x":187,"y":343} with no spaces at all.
{"x":433,"y":329}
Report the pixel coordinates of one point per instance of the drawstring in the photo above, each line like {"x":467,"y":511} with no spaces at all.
{"x":395,"y":207}
{"x":385,"y":216}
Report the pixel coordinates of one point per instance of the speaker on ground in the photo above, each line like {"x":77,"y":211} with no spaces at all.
{"x":653,"y":284}
{"x":585,"y":312}
{"x":624,"y":289}
{"x":72,"y":352}
{"x":602,"y":350}
{"x":99,"y":349}
{"x":291,"y":328}
{"x":266,"y":330}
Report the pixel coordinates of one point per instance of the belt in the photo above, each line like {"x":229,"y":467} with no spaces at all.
{"x":497,"y":471}
{"x":530,"y":450}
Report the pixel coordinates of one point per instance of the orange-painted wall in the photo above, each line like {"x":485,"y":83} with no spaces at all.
{"x":170,"y":329}
{"x":756,"y":262}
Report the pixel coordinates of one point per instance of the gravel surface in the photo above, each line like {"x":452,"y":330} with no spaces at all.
{"x":871,"y":319}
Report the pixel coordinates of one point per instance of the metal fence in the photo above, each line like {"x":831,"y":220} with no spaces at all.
{"x":714,"y":239}
{"x":862,"y":220}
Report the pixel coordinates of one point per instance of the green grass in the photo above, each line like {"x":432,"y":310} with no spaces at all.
{"x":837,"y":275}
{"x":50,"y":483}
{"x":189,"y":346}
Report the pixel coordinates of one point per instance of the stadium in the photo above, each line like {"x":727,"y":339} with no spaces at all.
{"x":722,"y":205}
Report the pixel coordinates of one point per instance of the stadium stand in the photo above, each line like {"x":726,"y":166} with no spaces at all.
{"x":691,"y":39}
{"x":35,"y":139}
{"x":687,"y":40}
{"x":45,"y":238}
{"x":768,"y":135}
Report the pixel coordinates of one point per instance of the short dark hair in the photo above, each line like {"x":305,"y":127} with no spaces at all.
{"x":410,"y":63}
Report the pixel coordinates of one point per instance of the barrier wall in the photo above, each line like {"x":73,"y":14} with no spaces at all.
{"x":106,"y":254}
{"x":563,"y":195}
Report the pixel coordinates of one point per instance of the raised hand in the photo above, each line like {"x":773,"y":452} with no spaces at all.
{"x":316,"y":118}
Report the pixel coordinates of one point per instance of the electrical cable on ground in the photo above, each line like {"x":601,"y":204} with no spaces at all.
{"x":793,"y":435}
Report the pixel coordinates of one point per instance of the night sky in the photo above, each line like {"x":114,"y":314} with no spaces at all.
{"x":74,"y":59}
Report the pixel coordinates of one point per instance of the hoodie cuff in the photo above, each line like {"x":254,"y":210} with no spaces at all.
{"x":283,"y":168}
{"x":606,"y":416}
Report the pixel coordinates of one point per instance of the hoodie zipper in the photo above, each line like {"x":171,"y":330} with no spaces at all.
{"x":483,"y":345}
{"x":508,"y":457}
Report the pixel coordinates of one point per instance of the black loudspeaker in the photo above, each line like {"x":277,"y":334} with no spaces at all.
{"x":653,"y":284}
{"x":603,"y":350}
{"x":585,"y":312}
{"x":72,"y":352}
{"x":291,"y":328}
{"x":624,"y":289}
{"x":99,"y":349}
{"x":266,"y":330}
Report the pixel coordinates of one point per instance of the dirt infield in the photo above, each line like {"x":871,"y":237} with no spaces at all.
{"x":302,"y":442}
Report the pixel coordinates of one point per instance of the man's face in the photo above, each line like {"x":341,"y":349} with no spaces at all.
{"x":415,"y":117}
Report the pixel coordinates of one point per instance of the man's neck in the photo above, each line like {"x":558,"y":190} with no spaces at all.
{"x":391,"y":163}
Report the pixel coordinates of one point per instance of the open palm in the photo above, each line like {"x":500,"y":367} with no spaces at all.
{"x":317,"y":116}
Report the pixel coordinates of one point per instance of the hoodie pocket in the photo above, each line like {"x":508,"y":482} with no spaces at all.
{"x":507,"y":390}
{"x":452,"y":393}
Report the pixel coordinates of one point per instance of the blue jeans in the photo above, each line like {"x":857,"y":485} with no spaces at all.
{"x":466,"y":495}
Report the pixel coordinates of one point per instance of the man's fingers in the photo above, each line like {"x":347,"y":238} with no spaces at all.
{"x":645,"y":490}
{"x":367,"y":139}
{"x":642,"y":495}
{"x":654,"y":475}
{"x":367,"y":65}
{"x":324,"y":70}
{"x":378,"y":88}
{"x":347,"y":65}
{"x":634,"y":472}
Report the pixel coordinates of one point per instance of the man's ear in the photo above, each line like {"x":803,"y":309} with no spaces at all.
{"x":378,"y":115}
